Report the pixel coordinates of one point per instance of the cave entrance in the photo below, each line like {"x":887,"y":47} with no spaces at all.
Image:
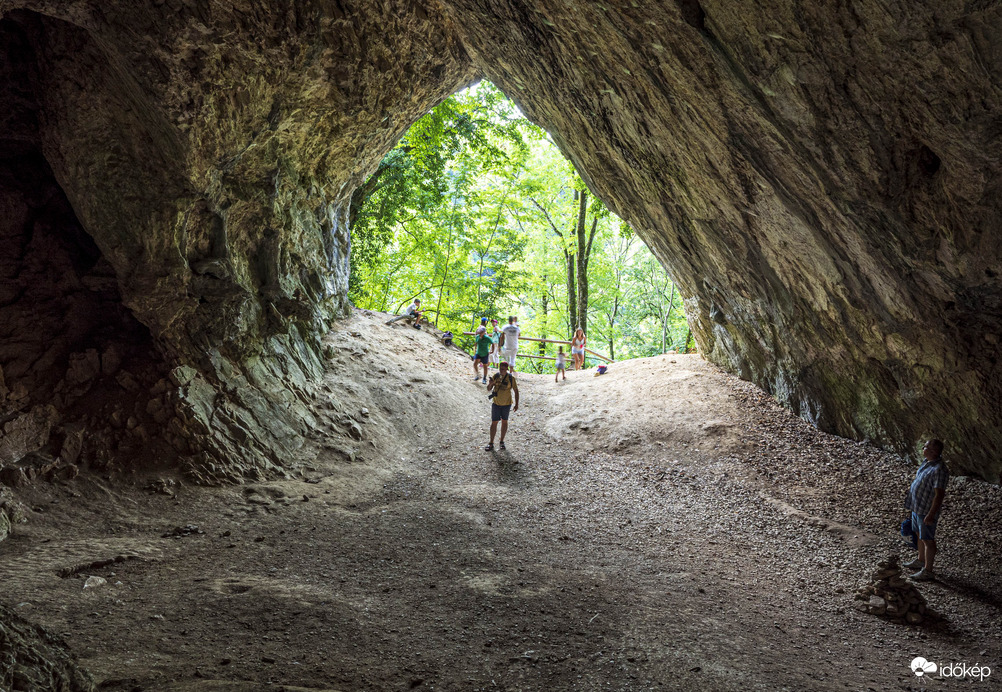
{"x":72,"y":356}
{"x":478,"y":213}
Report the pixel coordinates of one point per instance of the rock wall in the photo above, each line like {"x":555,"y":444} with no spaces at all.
{"x":209,"y":151}
{"x":32,"y":660}
{"x":74,"y":361}
{"x":821,"y":181}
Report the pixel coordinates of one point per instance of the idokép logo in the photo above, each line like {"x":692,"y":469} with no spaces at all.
{"x":922,"y":667}
{"x":958,"y":671}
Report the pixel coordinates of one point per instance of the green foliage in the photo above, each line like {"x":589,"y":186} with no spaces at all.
{"x":475,"y":210}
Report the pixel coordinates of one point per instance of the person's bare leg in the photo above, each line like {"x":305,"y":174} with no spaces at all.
{"x":930,"y":549}
{"x":485,"y":370}
{"x":504,"y":429}
{"x":494,"y":429}
{"x":922,"y":551}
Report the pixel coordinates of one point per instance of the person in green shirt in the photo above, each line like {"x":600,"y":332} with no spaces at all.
{"x":483,"y":349}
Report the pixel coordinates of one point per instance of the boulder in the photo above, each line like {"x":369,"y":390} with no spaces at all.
{"x":26,"y":433}
{"x":13,"y":477}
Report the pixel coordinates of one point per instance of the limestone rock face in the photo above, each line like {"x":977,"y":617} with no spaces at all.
{"x":209,"y":152}
{"x":33,"y":660}
{"x":822,"y":182}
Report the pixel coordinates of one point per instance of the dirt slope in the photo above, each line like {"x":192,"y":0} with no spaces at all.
{"x":664,"y":526}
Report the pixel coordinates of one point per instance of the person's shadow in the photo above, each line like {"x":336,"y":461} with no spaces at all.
{"x":509,"y":470}
{"x":971,"y":589}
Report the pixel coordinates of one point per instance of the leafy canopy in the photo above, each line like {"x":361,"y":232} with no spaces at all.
{"x":474,"y":211}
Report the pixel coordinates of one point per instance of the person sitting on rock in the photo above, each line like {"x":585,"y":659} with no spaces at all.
{"x":414,"y":312}
{"x":925,"y":499}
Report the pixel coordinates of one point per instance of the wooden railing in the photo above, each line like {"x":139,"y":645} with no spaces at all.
{"x":548,"y":341}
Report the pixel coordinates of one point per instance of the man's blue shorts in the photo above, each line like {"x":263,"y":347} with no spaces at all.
{"x":499,"y":412}
{"x":924,"y":532}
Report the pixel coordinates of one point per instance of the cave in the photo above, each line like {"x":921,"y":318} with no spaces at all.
{"x":838,"y":254}
{"x":176,"y":176}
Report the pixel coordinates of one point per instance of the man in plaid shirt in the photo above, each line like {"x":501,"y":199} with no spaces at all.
{"x":925,"y":498}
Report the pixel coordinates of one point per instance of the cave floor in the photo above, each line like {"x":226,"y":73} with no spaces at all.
{"x":665,"y":526}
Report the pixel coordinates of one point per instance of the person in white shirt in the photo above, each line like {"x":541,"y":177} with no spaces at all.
{"x":509,"y":341}
{"x":561,"y":365}
{"x":495,"y":334}
{"x":414,"y":310}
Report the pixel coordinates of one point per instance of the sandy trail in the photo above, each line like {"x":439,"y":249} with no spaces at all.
{"x":665,"y":526}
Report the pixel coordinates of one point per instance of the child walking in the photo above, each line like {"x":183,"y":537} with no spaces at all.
{"x":560,"y":365}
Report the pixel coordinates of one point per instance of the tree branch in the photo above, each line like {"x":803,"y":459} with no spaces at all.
{"x":549,"y":220}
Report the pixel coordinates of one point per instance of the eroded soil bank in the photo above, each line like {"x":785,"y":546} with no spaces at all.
{"x":665,"y":526}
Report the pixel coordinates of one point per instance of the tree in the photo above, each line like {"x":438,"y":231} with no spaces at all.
{"x":618,"y":291}
{"x":658,"y":295}
{"x":478,"y":213}
{"x":584,"y":252}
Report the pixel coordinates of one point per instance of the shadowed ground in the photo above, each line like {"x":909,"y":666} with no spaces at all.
{"x":665,"y":526}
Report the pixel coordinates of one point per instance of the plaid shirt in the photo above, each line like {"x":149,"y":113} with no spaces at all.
{"x":930,"y":475}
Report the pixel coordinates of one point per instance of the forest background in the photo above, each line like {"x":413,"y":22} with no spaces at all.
{"x":478,"y":213}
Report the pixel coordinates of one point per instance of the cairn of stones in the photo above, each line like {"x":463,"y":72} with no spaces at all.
{"x":891,"y":596}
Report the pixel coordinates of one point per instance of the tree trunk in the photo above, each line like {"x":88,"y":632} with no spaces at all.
{"x":584,"y":241}
{"x":667,"y":320}
{"x":546,"y":309}
{"x":582,"y":262}
{"x":572,"y":301}
{"x":612,"y":325}
{"x":448,"y":260}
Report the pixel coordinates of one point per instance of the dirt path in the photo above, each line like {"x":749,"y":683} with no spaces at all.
{"x":661,"y":527}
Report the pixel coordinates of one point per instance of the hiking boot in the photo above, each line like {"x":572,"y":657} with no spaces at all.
{"x":915,"y":564}
{"x":485,"y":380}
{"x":923,"y":575}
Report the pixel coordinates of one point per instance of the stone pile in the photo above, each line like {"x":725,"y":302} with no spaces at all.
{"x":891,"y":596}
